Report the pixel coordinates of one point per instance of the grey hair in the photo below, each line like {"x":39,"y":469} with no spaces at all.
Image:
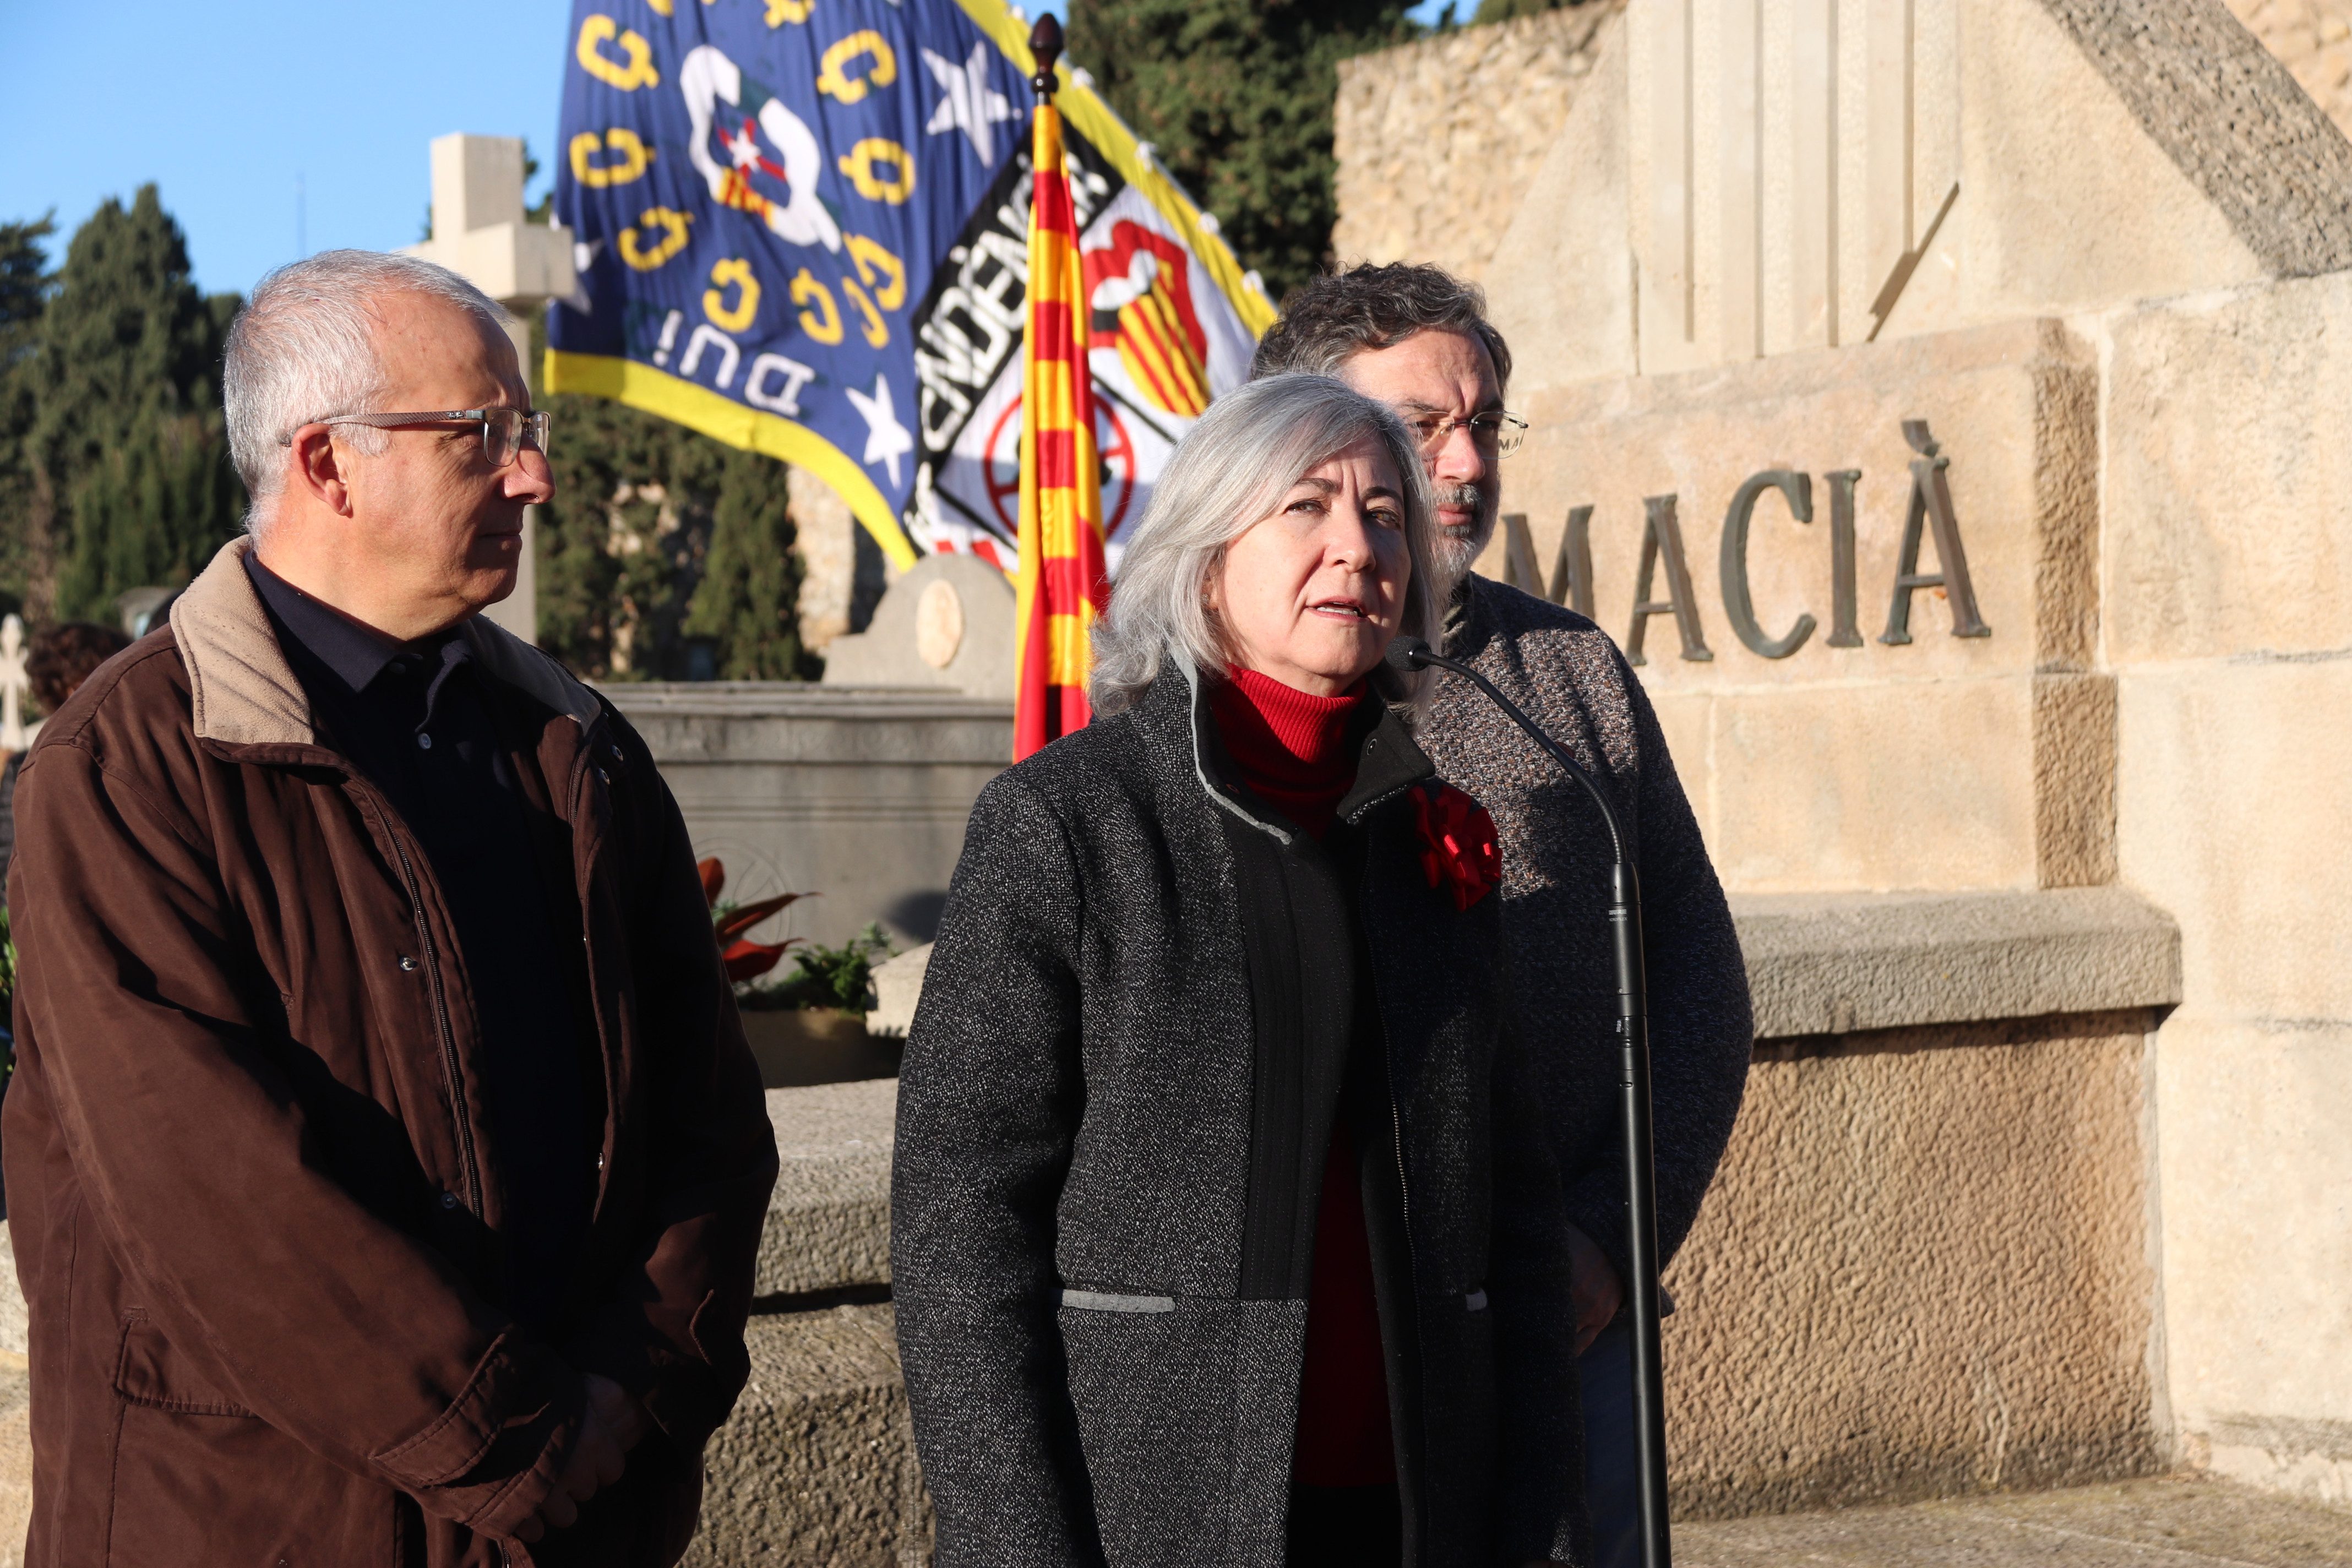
{"x":304,"y":348}
{"x":1229,"y":471}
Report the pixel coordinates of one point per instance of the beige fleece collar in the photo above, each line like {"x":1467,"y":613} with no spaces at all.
{"x":244,"y":693}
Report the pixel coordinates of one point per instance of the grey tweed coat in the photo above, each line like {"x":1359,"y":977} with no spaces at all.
{"x":1571,"y":677}
{"x":1101,"y":1370}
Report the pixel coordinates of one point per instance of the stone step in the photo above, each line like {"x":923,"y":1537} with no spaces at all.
{"x":817,"y":1463}
{"x":829,"y":1221}
{"x":2167,"y":1523}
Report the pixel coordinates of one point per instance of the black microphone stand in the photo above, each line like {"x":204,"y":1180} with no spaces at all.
{"x":1634,"y":1082}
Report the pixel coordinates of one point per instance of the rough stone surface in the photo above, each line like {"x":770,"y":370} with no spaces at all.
{"x":1436,"y":139}
{"x":15,"y":1461}
{"x":14,"y":1326}
{"x":898,"y":986}
{"x":2226,"y":531}
{"x":816,"y":1466}
{"x":2232,"y":118}
{"x":1922,"y":1272}
{"x":1829,"y":964}
{"x":858,"y":795}
{"x":841,"y":566}
{"x":2167,"y":1522}
{"x":829,"y":1221}
{"x":2313,"y":38}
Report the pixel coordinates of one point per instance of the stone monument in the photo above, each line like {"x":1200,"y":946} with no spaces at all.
{"x":1941,"y":402}
{"x":479,"y":233}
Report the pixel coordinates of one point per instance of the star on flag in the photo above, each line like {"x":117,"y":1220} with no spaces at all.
{"x":971,"y":106}
{"x":886,"y":440}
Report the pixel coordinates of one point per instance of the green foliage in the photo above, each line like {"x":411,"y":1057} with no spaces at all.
{"x":642,"y":518}
{"x":749,"y":601}
{"x":127,"y":451}
{"x":829,"y":976}
{"x":1237,"y":95}
{"x":24,"y":291}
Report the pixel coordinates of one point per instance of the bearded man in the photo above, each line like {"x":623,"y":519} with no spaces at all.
{"x":1418,"y":338}
{"x":386,"y":1160}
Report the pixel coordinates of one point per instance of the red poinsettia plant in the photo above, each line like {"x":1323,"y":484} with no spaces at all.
{"x":1458,"y":849}
{"x":744,"y":959}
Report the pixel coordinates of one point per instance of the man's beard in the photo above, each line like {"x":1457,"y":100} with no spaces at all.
{"x":1453,"y":552}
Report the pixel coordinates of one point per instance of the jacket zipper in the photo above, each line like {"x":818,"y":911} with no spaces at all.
{"x":576,"y":789}
{"x":1412,"y":1553}
{"x":468,"y":1160}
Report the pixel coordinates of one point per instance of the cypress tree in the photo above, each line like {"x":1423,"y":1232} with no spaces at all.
{"x":24,"y":291}
{"x":132,"y":482}
{"x":1237,"y":95}
{"x":748,"y":599}
{"x":657,"y":534}
{"x":622,"y":545}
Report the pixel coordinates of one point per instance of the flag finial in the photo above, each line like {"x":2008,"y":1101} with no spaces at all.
{"x":1046,"y":43}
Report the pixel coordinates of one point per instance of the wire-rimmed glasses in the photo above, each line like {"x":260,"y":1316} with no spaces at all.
{"x":505,"y":431}
{"x":1496,"y":434}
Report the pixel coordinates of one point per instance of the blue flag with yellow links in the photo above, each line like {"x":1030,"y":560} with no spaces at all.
{"x":801,"y":228}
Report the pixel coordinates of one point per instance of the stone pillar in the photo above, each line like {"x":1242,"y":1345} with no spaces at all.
{"x":481,"y":233}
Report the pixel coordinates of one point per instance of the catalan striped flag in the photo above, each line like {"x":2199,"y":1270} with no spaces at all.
{"x":1063,"y":581}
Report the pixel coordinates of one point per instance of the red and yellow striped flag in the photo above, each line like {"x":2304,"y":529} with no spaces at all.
{"x":1063,"y":581}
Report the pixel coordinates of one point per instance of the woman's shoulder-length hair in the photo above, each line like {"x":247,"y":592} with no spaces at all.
{"x":1229,"y":471}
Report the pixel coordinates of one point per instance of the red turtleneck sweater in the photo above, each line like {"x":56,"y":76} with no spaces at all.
{"x":1291,"y":749}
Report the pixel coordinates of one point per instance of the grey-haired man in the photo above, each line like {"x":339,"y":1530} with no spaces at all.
{"x":1418,"y":338}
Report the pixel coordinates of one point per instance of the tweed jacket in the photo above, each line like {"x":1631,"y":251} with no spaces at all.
{"x":258,"y":1211}
{"x":1570,"y":676}
{"x":1102,"y":1334}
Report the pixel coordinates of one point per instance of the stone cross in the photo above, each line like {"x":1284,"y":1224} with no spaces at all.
{"x":479,"y":233}
{"x":14,"y":685}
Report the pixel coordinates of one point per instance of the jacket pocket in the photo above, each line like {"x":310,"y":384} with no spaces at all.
{"x":148,"y":1371}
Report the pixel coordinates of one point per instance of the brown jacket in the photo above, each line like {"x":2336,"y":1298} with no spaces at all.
{"x":253,"y":1187}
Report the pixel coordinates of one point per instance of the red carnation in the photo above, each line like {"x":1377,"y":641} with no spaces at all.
{"x":1458,"y":850}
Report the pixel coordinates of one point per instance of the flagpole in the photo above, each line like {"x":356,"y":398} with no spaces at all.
{"x":1062,"y":584}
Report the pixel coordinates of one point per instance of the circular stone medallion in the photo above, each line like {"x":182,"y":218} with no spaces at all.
{"x":938,"y":625}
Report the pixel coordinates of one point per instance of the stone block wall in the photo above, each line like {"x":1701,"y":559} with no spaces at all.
{"x":2314,"y":40}
{"x":1434,"y":140}
{"x":858,"y":795}
{"x":1924,"y":1271}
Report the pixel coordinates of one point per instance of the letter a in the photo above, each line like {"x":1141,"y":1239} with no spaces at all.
{"x":1662,"y":536}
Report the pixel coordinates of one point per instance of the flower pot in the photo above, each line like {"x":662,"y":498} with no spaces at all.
{"x":798,"y":1047}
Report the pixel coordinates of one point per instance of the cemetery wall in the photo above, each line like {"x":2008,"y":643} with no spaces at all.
{"x":858,"y":795}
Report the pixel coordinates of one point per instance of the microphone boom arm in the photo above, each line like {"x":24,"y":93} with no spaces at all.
{"x":1633,"y":1086}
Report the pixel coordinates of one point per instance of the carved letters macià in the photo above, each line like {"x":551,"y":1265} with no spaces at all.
{"x":1929,"y":510}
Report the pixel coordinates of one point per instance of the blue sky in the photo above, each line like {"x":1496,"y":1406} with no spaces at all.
{"x":226,"y":108}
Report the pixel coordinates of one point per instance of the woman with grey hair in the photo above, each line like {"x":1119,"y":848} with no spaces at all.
{"x":1221,"y":1231}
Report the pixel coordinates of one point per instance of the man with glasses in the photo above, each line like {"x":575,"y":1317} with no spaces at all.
{"x":387,"y":1162}
{"x":1418,"y":338}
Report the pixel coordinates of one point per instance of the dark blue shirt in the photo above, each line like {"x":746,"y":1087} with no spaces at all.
{"x":418,"y":722}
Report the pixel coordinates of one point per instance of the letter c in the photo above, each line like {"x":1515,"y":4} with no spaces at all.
{"x":1737,"y":604}
{"x":630,"y":74}
{"x":833,"y":72}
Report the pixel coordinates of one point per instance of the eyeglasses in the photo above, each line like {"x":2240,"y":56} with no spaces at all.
{"x":505,"y":431}
{"x":1497,"y":434}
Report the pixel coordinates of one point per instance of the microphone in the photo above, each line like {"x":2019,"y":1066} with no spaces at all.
{"x":1409,"y":655}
